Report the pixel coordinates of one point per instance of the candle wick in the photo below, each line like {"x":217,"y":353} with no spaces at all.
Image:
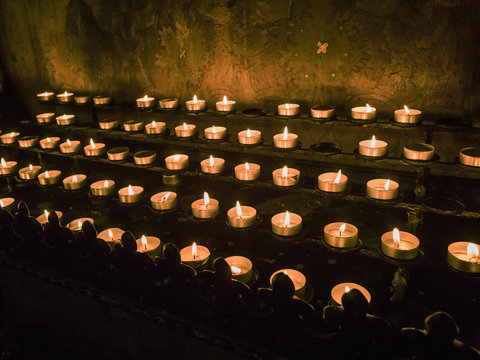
{"x":145,"y":245}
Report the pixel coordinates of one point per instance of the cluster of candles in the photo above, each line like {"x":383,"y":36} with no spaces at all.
{"x":67,"y":97}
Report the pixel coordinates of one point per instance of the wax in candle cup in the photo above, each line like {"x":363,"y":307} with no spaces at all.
{"x":241,"y":216}
{"x":194,"y":255}
{"x":195,"y":104}
{"x":30,"y":172}
{"x":225,"y":105}
{"x":81,"y":99}
{"x":400,"y":245}
{"x":102,"y":188}
{"x":247,"y":171}
{"x":298,"y":279}
{"x":286,"y":176}
{"x":322,"y":112}
{"x":108,"y":124}
{"x":382,"y":189}
{"x":249,"y":137}
{"x":49,"y":143}
{"x":285,"y":140}
{"x":419,"y":151}
{"x":133,"y":125}
{"x":75,"y":182}
{"x":70,"y":147}
{"x":9,"y":138}
{"x":176,"y":162}
{"x":168,"y":103}
{"x":43,"y":219}
{"x":155,"y":128}
{"x":372,"y":148}
{"x":65,"y":120}
{"x":145,"y":157}
{"x":94,"y":149}
{"x":102,"y":100}
{"x":65,"y":97}
{"x":185,"y":130}
{"x":130,"y":194}
{"x":464,"y":256}
{"x":241,"y":267}
{"x":76,"y":225}
{"x":45,"y":118}
{"x":7,"y":167}
{"x":145,"y":102}
{"x":111,"y":236}
{"x":205,"y":208}
{"x":118,"y":153}
{"x":212,"y":165}
{"x":407,"y":116}
{"x":7,"y":204}
{"x":27,"y":141}
{"x":364,"y":113}
{"x":288,"y":109}
{"x":170,"y":179}
{"x":286,"y":224}
{"x":49,"y":177}
{"x":469,"y":156}
{"x":340,"y":289}
{"x":149,"y":245}
{"x":46,"y":96}
{"x":165,"y":200}
{"x":340,"y":235}
{"x":215,"y":133}
{"x":333,"y":182}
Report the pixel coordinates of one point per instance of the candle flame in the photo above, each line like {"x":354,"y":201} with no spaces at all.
{"x":79,"y":224}
{"x":2,"y":204}
{"x":285,"y":172}
{"x":247,"y":167}
{"x":154,"y":124}
{"x":206,"y":199}
{"x":65,"y":116}
{"x":74,"y":178}
{"x":407,"y":110}
{"x":347,"y":289}
{"x":176,"y":158}
{"x":4,"y":164}
{"x":286,"y":222}
{"x":195,"y":99}
{"x":92,"y":144}
{"x":396,"y":237}
{"x":12,"y":134}
{"x":472,"y":251}
{"x":185,"y":127}
{"x":69,"y":142}
{"x":65,"y":93}
{"x":211,"y":160}
{"x":47,"y":175}
{"x":287,"y":107}
{"x":342,"y":228}
{"x":337,"y":179}
{"x":214,"y":130}
{"x":145,"y":98}
{"x":372,"y":143}
{"x":369,"y":109}
{"x":285,"y":133}
{"x":239,"y":210}
{"x":165,"y":197}
{"x":144,"y":242}
{"x":249,"y":133}
{"x":130,"y":190}
{"x":225,"y":101}
{"x":30,"y":167}
{"x":45,"y":93}
{"x":236,"y":270}
{"x":387,"y":185}
{"x":194,"y":250}
{"x":110,"y":234}
{"x":48,"y":140}
{"x":46,"y":214}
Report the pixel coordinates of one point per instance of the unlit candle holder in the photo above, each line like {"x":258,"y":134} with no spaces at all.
{"x":145,"y":157}
{"x":28,"y":141}
{"x":118,"y":153}
{"x":322,"y":112}
{"x":133,"y":125}
{"x":168,"y":104}
{"x":419,"y":152}
{"x":470,"y":156}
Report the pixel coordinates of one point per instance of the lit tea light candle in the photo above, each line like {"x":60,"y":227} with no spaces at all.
{"x":407,"y":116}
{"x":81,"y":99}
{"x":382,"y":189}
{"x":165,"y":200}
{"x":249,"y":137}
{"x":242,"y":216}
{"x":149,"y":245}
{"x":43,"y":219}
{"x":469,"y":156}
{"x":155,"y":128}
{"x":118,"y":153}
{"x":30,"y":172}
{"x":241,"y":267}
{"x":46,"y":96}
{"x":340,"y":289}
{"x":322,"y":112}
{"x":65,"y":120}
{"x":364,"y":113}
{"x":372,"y":148}
{"x":286,"y":176}
{"x":133,"y":125}
{"x":225,"y":105}
{"x":70,"y":147}
{"x":108,"y":124}
{"x":102,"y":100}
{"x":286,"y":224}
{"x":168,"y":103}
{"x":45,"y":118}
{"x":176,"y":162}
{"x":340,"y":235}
{"x":419,"y":151}
{"x":464,"y":256}
{"x":298,"y":279}
{"x":7,"y":167}
{"x":130,"y":194}
{"x":212,"y":165}
{"x":66,"y":97}
{"x":333,"y":182}
{"x":400,"y":245}
{"x":205,"y":208}
{"x":75,"y":182}
{"x":49,"y":143}
{"x":145,"y":102}
{"x":27,"y":141}
{"x":111,"y":236}
{"x":195,"y":104}
{"x":185,"y":130}
{"x":285,"y":140}
{"x":94,"y":149}
{"x":194,"y":255}
{"x":288,"y":109}
{"x":145,"y":157}
{"x":247,"y":171}
{"x":49,"y":177}
{"x":7,"y":204}
{"x":10,"y":138}
{"x":102,"y":188}
{"x":215,"y":132}
{"x":76,"y":225}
